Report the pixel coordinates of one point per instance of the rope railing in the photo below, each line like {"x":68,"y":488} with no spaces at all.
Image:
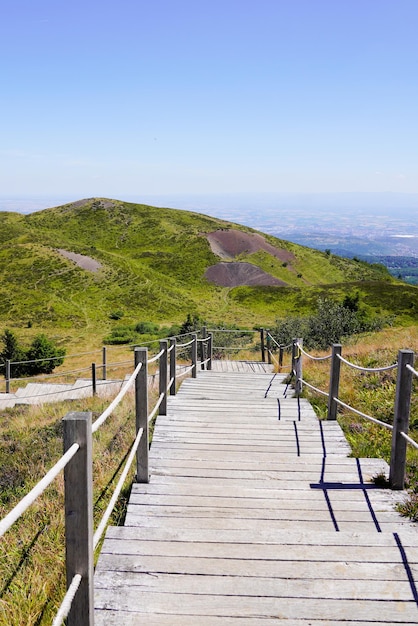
{"x":106,"y":516}
{"x":103,"y":417}
{"x":367,"y":417}
{"x":402,"y":405}
{"x":156,"y":357}
{"x":313,"y":358}
{"x":37,"y":490}
{"x":368,"y":369}
{"x":323,"y":393}
{"x":67,"y":601}
{"x":411,"y":369}
{"x":75,"y":424}
{"x":185,"y":345}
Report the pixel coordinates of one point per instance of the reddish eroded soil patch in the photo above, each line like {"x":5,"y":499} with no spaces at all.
{"x":85,"y":262}
{"x":229,"y":244}
{"x":240,"y":274}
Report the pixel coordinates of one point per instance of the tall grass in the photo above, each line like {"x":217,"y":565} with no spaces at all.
{"x":373,"y":394}
{"x":32,"y":565}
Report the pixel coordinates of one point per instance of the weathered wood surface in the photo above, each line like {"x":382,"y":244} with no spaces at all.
{"x":256,"y":515}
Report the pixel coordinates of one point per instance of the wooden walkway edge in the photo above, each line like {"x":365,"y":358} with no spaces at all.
{"x":254,"y":515}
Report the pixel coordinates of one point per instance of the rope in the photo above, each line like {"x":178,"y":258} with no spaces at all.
{"x":157,"y":406}
{"x":170,"y":384}
{"x":156,"y":357}
{"x":367,"y":417}
{"x":184,"y":345}
{"x":103,"y":417}
{"x":39,"y":488}
{"x":186,"y":371}
{"x":278,"y":344}
{"x":170,"y":348}
{"x":102,"y":526}
{"x":314,"y":358}
{"x":367,"y":369}
{"x":324,"y":393}
{"x":61,"y":374}
{"x":409,"y":440}
{"x":67,"y":601}
{"x":411,"y":369}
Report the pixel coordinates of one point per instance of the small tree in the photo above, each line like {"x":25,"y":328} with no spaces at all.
{"x":45,"y":354}
{"x":41,"y":350}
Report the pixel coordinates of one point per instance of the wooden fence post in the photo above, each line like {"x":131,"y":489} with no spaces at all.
{"x":263,"y":349}
{"x":210,"y":351}
{"x":141,"y":412}
{"x":173,"y":345}
{"x":268,"y":345}
{"x":78,"y":478}
{"x":401,"y":419}
{"x":298,"y":368}
{"x":163,"y":377}
{"x":7,"y":376}
{"x":203,"y":348}
{"x":334,"y":381}
{"x":194,"y":355}
{"x":93,"y":378}
{"x":294,"y":353}
{"x":281,"y":356}
{"x":104,"y":362}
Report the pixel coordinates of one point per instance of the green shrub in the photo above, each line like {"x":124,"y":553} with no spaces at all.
{"x":43,"y":355}
{"x":146,"y":328}
{"x":332,"y":322}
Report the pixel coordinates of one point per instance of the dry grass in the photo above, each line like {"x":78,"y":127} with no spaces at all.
{"x":32,"y":566}
{"x":374,"y":395}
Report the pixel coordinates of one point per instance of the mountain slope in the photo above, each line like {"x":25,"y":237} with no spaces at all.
{"x":153,"y":263}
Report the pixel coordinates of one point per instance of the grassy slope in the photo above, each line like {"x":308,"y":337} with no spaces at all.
{"x":153,"y":268}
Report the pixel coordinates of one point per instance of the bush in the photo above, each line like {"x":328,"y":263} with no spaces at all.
{"x":332,"y":322}
{"x":146,"y":328}
{"x":43,"y":353}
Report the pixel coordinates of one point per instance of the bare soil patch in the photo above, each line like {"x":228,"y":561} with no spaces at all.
{"x":240,"y":274}
{"x":228,"y":244}
{"x":85,"y":262}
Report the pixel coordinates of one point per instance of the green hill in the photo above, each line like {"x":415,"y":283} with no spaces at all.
{"x":153,"y":265}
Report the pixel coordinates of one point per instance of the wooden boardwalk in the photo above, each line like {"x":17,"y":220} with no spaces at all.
{"x":255,"y":515}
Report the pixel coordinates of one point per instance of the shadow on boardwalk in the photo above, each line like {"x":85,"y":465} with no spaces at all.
{"x":256,"y":514}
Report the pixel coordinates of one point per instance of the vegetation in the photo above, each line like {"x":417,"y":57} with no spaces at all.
{"x":152,"y":275}
{"x":32,"y":558}
{"x":373,"y":393}
{"x":41,"y":357}
{"x":332,"y":322}
{"x":153,"y":262}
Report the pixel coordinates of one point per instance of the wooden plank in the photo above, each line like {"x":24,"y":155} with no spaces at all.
{"x":250,"y":519}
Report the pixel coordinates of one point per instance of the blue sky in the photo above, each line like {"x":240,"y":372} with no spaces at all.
{"x":140,"y":97}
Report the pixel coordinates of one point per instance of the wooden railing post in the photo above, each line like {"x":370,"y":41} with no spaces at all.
{"x":281,"y":356}
{"x":78,"y":478}
{"x":7,"y":376}
{"x":298,"y":367}
{"x":104,"y":362}
{"x":268,"y":342}
{"x":401,"y":419}
{"x":294,"y":354}
{"x":334,"y":381}
{"x":194,"y":355}
{"x":210,"y":351}
{"x":203,"y":348}
{"x":263,"y":348}
{"x":93,"y":378}
{"x":173,"y":345}
{"x":163,"y":377}
{"x":141,"y":412}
